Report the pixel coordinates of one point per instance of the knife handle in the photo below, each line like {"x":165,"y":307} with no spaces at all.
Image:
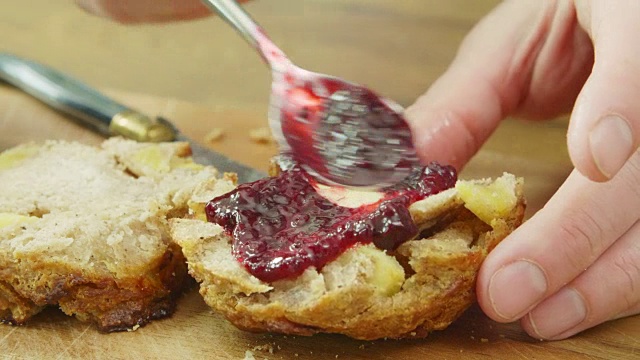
{"x":80,"y":101}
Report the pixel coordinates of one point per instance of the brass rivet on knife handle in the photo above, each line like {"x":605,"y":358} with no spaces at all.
{"x":136,"y":126}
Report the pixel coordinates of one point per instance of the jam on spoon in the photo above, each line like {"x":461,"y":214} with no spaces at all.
{"x":346,"y":135}
{"x":280,"y":226}
{"x":341,"y":133}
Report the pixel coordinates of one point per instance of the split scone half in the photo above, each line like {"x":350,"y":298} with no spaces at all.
{"x":365,"y":292}
{"x":86,"y":229}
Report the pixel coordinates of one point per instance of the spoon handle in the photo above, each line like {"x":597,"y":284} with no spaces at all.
{"x":235,"y":15}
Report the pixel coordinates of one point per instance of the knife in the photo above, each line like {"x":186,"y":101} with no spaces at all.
{"x":104,"y":115}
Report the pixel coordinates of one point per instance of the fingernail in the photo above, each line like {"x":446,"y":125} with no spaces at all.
{"x":515,"y":288}
{"x":558,"y":314}
{"x":611,"y":143}
{"x":91,"y":6}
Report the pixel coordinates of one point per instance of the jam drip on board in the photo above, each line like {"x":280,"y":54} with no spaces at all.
{"x":281,"y":225}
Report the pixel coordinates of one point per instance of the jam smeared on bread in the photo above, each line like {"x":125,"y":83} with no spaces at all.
{"x":282,"y":225}
{"x":365,"y":292}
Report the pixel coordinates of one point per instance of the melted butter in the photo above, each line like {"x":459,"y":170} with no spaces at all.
{"x":349,"y":198}
{"x":10,"y":219}
{"x":15,"y":156}
{"x":488,"y":201}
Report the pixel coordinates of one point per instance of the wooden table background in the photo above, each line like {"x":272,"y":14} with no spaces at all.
{"x":202,"y":75}
{"x":396,"y":47}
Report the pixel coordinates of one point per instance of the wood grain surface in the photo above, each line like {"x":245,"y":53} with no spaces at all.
{"x":395,"y":47}
{"x":193,"y":332}
{"x":202,"y":76}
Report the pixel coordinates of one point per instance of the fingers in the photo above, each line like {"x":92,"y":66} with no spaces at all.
{"x":606,"y":290}
{"x":605,"y":125}
{"x":141,"y":11}
{"x":635,"y":310}
{"x":462,"y":108}
{"x":526,"y":57}
{"x":580,"y":222}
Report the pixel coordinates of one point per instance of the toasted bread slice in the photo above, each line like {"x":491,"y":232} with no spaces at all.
{"x":365,"y":293}
{"x":86,"y":229}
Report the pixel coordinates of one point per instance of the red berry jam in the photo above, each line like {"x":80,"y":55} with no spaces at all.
{"x":281,"y":226}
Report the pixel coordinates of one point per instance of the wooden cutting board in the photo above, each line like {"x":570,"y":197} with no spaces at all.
{"x":194,"y":332}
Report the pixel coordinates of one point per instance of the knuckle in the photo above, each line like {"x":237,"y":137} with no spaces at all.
{"x":631,"y":178}
{"x":627,"y":266}
{"x":583,"y":236}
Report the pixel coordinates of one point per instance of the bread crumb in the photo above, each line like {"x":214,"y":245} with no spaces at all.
{"x":232,"y":177}
{"x":413,"y":333}
{"x":265,"y":347}
{"x":214,"y":135}
{"x":361,"y":347}
{"x":134,"y":328}
{"x":261,"y":136}
{"x":502,"y":336}
{"x":484,"y":340}
{"x":248,"y":355}
{"x":472,"y":337}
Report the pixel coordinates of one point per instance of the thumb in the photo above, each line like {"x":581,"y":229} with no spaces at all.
{"x":483,"y":84}
{"x":604,"y":131}
{"x":488,"y":80}
{"x":453,"y":119}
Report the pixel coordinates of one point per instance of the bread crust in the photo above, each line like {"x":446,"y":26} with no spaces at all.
{"x":440,"y":271}
{"x":113,"y":304}
{"x":99,"y":252}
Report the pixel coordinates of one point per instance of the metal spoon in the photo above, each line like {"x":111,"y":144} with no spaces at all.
{"x":339,"y":132}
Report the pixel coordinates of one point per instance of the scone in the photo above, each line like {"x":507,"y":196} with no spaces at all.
{"x":86,"y":229}
{"x":370,"y":265}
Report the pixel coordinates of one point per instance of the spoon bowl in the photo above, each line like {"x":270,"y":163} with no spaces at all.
{"x":339,"y":132}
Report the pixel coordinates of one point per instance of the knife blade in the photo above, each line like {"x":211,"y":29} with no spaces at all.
{"x":203,"y":155}
{"x":105,"y":115}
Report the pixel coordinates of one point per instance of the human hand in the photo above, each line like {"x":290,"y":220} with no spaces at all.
{"x":146,"y":11}
{"x":576,"y":263}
